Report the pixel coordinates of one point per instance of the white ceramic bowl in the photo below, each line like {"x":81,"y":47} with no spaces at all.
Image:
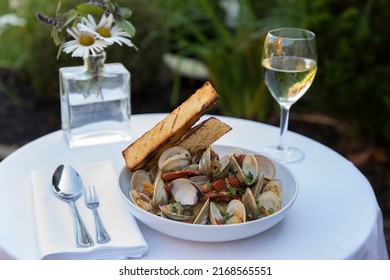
{"x":213,"y":233}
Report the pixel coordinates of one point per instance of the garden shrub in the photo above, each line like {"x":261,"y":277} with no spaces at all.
{"x":352,"y":41}
{"x":37,"y":52}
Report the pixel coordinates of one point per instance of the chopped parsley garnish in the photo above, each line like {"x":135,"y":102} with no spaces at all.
{"x":231,"y":190}
{"x":249,"y":177}
{"x":226,"y":218}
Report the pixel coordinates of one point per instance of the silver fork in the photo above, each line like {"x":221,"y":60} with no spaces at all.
{"x":92,"y":202}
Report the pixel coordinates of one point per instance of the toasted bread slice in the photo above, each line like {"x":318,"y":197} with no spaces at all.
{"x":145,"y":151}
{"x":203,"y":135}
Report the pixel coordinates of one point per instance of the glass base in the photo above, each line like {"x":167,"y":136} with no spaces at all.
{"x":284,"y":155}
{"x":98,"y":133}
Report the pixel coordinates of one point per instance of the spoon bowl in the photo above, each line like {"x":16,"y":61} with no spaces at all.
{"x":68,"y":186}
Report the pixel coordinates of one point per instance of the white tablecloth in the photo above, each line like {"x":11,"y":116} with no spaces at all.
{"x":335,"y":216}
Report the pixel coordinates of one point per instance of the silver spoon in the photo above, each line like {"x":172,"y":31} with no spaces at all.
{"x":68,"y":186}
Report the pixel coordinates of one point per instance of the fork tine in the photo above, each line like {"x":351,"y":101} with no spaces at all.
{"x":91,"y":196}
{"x":88,"y":195}
{"x":94,"y":194}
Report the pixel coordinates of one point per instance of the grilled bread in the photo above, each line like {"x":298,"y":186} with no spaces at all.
{"x":203,"y":135}
{"x":145,"y":151}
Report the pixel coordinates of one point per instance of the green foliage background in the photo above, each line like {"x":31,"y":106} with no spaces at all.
{"x":353,"y":43}
{"x":352,"y":39}
{"x":32,"y":50}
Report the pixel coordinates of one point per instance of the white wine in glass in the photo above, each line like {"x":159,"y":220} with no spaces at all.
{"x":289,"y":61}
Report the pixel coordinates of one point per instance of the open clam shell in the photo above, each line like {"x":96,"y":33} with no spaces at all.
{"x":174,"y":158}
{"x":232,"y":213}
{"x":270,"y":201}
{"x":175,"y":211}
{"x":224,"y":166}
{"x":236,"y":211}
{"x":216,"y":213}
{"x":202,"y":182}
{"x":160,"y":195}
{"x":138,"y":179}
{"x":141,"y":200}
{"x":257,"y":188}
{"x":249,"y":202}
{"x":266,"y":166}
{"x":185,"y":192}
{"x":248,"y":172}
{"x":213,"y":167}
{"x":202,"y":217}
{"x":205,"y":162}
{"x":275,"y":186}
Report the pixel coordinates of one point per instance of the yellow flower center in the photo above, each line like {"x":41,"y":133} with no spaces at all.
{"x":86,"y":40}
{"x":105,"y":32}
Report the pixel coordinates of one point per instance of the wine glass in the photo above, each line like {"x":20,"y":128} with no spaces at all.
{"x":289,"y":61}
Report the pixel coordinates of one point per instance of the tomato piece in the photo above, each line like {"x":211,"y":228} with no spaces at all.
{"x":233,"y":181}
{"x":218,"y":185}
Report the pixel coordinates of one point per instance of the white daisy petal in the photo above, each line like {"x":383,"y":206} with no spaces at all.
{"x":74,"y":32}
{"x":106,"y":21}
{"x":76,"y":46}
{"x":100,"y":35}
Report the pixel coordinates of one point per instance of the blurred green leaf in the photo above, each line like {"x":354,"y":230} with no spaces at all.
{"x":125,"y":12}
{"x":86,"y":9}
{"x":127,"y":26}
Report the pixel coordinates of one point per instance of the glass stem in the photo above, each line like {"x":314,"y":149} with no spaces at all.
{"x":284,"y":113}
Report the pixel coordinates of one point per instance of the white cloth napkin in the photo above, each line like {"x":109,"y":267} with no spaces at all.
{"x":55,"y":222}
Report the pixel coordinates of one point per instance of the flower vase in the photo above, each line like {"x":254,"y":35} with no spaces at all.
{"x":95,"y":102}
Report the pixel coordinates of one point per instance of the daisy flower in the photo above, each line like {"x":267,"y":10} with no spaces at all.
{"x":84,"y":43}
{"x":105,"y":28}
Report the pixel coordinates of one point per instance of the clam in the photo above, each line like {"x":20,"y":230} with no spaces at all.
{"x":202,"y":182}
{"x":236,"y":210}
{"x":216,"y":210}
{"x":174,"y":158}
{"x":258,"y":186}
{"x":141,"y":200}
{"x":265,"y":203}
{"x":185,"y":192}
{"x":175,"y":211}
{"x":275,"y":186}
{"x":205,"y":162}
{"x":235,"y":152}
{"x":153,"y":173}
{"x":213,"y":167}
{"x":249,"y":201}
{"x":193,"y":166}
{"x":138,"y":180}
{"x":234,"y":213}
{"x":160,"y":195}
{"x":224,"y":165}
{"x":266,"y":166}
{"x":270,"y":201}
{"x":248,"y":172}
{"x":202,"y":217}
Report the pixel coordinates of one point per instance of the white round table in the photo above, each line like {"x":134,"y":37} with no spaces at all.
{"x":335,"y":216}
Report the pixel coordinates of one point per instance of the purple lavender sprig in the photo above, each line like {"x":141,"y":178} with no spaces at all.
{"x":46,"y":19}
